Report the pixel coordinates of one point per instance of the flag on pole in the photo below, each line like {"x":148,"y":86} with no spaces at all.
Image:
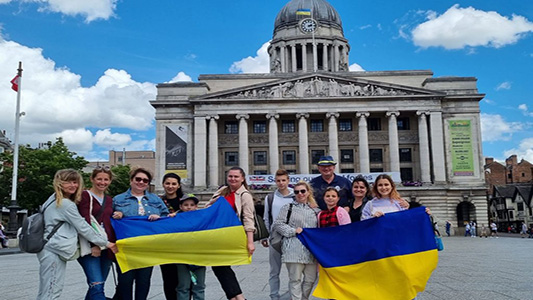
{"x":303,"y":12}
{"x":207,"y":237}
{"x":15,"y":83}
{"x":389,"y":258}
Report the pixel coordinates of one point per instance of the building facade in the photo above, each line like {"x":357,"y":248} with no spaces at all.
{"x":310,"y":104}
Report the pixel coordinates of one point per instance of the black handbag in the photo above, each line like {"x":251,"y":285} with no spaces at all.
{"x":261,"y":231}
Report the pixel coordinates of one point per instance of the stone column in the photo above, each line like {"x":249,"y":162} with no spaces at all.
{"x":315,"y":57}
{"x":333,"y":135}
{"x":273,"y":149}
{"x":394,"y":150}
{"x":283,"y":60}
{"x":424,"y":146}
{"x":303,"y":143}
{"x":364,"y":159}
{"x":336,"y":57}
{"x":304,"y":57}
{"x":325,"y":56}
{"x":437,"y":146}
{"x":200,"y":149}
{"x":243,"y":142}
{"x":294,"y":60}
{"x":213,"y":151}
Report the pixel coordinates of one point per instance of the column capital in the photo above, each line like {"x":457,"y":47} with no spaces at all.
{"x":272,"y":115}
{"x":302,"y":115}
{"x":392,"y":113}
{"x":242,"y":116}
{"x":422,"y":113}
{"x":332,"y":115}
{"x":212,"y":117}
{"x":362,"y":114}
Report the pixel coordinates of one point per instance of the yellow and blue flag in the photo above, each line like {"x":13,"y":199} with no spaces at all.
{"x":391,"y":257}
{"x":303,"y":12}
{"x":208,"y":237}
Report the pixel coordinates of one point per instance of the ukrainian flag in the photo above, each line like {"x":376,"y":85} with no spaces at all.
{"x":391,"y":257}
{"x":208,"y":237}
{"x":303,"y":11}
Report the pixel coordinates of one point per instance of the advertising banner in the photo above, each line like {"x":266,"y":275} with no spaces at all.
{"x":461,"y":147}
{"x":176,"y":137}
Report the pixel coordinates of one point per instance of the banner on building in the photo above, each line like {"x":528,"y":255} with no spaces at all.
{"x":176,"y":137}
{"x":461,"y":147}
{"x":295,"y":178}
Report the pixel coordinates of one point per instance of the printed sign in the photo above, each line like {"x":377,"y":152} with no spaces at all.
{"x":461,"y":148}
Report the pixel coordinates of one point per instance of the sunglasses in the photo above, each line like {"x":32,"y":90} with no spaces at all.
{"x":139,"y":179}
{"x":105,"y":168}
{"x":296,"y":192}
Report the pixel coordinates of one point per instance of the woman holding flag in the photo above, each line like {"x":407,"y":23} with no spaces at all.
{"x":241,"y":200}
{"x":292,"y":218}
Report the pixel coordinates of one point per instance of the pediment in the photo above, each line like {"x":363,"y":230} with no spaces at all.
{"x":320,"y":85}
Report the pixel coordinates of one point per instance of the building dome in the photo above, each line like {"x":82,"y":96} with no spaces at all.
{"x":321,"y":11}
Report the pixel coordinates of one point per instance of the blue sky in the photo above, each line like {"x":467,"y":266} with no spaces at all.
{"x":90,"y":67}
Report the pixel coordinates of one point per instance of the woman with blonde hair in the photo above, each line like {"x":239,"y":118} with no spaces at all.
{"x":292,"y":218}
{"x":61,"y":208}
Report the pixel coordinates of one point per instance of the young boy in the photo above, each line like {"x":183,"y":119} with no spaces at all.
{"x":273,"y":203}
{"x":191,"y":278}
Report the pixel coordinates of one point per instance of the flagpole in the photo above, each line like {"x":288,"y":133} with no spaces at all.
{"x":13,"y":208}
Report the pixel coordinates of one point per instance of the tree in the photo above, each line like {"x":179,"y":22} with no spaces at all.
{"x":37,"y":168}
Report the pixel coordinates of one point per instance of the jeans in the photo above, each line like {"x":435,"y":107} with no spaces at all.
{"x":96,"y":270}
{"x":186,"y":287}
{"x":141,"y":277}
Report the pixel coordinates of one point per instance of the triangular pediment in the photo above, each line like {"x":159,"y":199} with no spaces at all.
{"x":320,"y":85}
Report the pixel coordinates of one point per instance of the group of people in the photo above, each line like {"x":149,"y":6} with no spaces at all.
{"x":328,"y":200}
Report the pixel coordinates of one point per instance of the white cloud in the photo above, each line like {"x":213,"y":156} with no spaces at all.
{"x":56,"y":104}
{"x":525,"y":110}
{"x":90,"y":10}
{"x":504,"y":86}
{"x":524,"y":150}
{"x":105,"y":138}
{"x":356,"y":67}
{"x":495,"y":128}
{"x":257,"y":64}
{"x":460,"y":27}
{"x":365,"y":27}
{"x":488,"y":101}
{"x":181,"y":76}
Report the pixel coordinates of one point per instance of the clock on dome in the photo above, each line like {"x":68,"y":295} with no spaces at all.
{"x":308,"y":25}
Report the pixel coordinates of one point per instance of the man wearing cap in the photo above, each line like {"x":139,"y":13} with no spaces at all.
{"x":327,"y":178}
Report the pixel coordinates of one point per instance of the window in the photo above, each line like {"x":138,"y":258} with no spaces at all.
{"x":376,"y":170}
{"x":376,"y":155}
{"x":231,"y":158}
{"x":317,"y":126}
{"x":347,"y":156}
{"x":347,"y":171}
{"x":403,"y":124}
{"x":520,"y":206}
{"x":289,"y":157}
{"x":260,"y":127}
{"x":511,"y":215}
{"x":374,"y":124}
{"x":406,"y":174}
{"x":260,"y":158}
{"x":260,"y":172}
{"x":315,"y":171}
{"x":291,"y":171}
{"x":405,"y":155}
{"x":345,"y":125}
{"x":315,"y":156}
{"x":288,"y":126}
{"x":231,"y":127}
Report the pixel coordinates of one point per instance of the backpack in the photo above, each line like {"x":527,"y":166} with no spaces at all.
{"x":270,"y":200}
{"x":31,"y":237}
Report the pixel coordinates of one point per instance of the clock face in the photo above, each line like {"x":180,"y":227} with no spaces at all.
{"x":308,"y":25}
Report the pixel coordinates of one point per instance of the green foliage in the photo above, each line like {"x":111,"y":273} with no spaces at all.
{"x":121,"y":182}
{"x":37,"y":168}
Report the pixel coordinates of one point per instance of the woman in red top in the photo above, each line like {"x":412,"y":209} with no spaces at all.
{"x":96,"y":265}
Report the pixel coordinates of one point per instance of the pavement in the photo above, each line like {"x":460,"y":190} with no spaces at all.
{"x":468,"y":269}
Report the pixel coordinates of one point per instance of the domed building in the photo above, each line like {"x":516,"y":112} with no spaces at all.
{"x":422,"y":130}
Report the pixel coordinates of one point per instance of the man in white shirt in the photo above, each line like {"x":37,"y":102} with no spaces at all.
{"x":273,"y":203}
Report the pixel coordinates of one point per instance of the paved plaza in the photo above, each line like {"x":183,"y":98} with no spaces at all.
{"x":469,"y":268}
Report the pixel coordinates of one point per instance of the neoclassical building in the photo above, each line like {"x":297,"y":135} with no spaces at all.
{"x":425,"y":128}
